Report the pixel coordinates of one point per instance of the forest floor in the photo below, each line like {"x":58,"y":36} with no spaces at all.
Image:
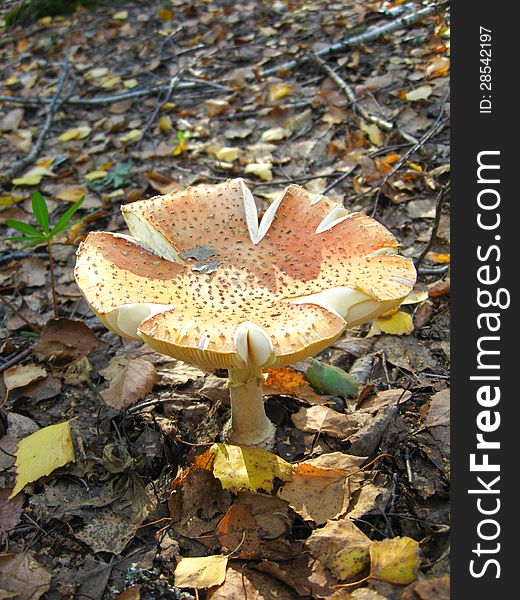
{"x":120,"y":104}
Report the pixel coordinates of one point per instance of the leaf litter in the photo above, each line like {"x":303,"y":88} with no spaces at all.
{"x":137,"y":423}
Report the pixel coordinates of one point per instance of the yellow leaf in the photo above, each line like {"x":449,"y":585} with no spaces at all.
{"x":72,"y":194}
{"x":274,"y":134}
{"x":75,"y":134}
{"x":21,"y":375}
{"x":261,"y":170}
{"x":201,"y":571}
{"x":96,"y":73}
{"x":439,"y":258}
{"x":374,"y":133}
{"x":122,"y":15}
{"x":395,"y":560}
{"x":421,"y":93}
{"x":279,"y":91}
{"x":109,"y":81}
{"x":253,"y":469}
{"x":165,"y":124}
{"x":33,"y":176}
{"x":93,"y":175}
{"x":400,"y":323}
{"x":418,"y":294}
{"x":9,"y":200}
{"x":41,"y":453}
{"x":130,"y":83}
{"x":165,"y":14}
{"x":180,"y":148}
{"x":46,"y":163}
{"x":133,"y":134}
{"x":227,"y":153}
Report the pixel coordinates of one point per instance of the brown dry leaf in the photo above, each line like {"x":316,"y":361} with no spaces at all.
{"x":162,"y":183}
{"x":10,"y":509}
{"x":342,"y":548}
{"x":239,"y":529}
{"x":317,"y":494}
{"x":406,"y":352}
{"x":437,"y":588}
{"x":11,"y":121}
{"x":395,"y":560}
{"x":288,"y":382}
{"x":21,"y":375}
{"x":130,"y":381}
{"x":22,"y":577}
{"x":384,"y":398}
{"x":33,"y":272}
{"x":198,"y":503}
{"x":244,"y":582}
{"x":71,"y":193}
{"x":106,"y":532}
{"x":320,"y":419}
{"x":63,"y":341}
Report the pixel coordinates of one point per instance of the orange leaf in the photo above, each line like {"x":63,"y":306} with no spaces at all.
{"x":287,"y":382}
{"x":237,"y":528}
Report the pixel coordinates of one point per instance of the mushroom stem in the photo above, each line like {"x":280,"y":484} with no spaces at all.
{"x":249,"y":425}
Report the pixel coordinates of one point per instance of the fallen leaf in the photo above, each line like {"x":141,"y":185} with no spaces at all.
{"x":106,"y":532}
{"x":406,"y":352}
{"x":321,"y":419}
{"x":400,"y":323}
{"x":11,"y":121}
{"x":317,"y":494}
{"x":201,"y":571}
{"x":384,"y":398}
{"x":239,"y":529}
{"x":130,"y":381}
{"x":241,"y":468}
{"x":33,"y":176}
{"x":331,"y":380}
{"x":93,"y":175}
{"x":227,"y":153}
{"x":421,"y":93}
{"x":10,"y":510}
{"x":279,"y":91}
{"x":261,"y":170}
{"x":63,"y":341}
{"x":287,"y":382}
{"x":22,"y":577}
{"x":78,"y":133}
{"x":443,"y":259}
{"x":373,"y":132}
{"x":243,"y":582}
{"x":132,"y":135}
{"x":71,"y":193}
{"x":342,"y":548}
{"x":395,"y":560}
{"x":21,"y":375}
{"x":41,"y":453}
{"x":274,"y":134}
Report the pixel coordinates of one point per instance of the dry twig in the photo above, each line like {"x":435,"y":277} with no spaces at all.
{"x":55,"y":103}
{"x":441,"y":197}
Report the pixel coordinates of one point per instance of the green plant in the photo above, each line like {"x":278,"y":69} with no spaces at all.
{"x":44,"y":234}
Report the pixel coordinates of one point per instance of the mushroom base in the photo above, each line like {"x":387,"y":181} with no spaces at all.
{"x":249,"y":425}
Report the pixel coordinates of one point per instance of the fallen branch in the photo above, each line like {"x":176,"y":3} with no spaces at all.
{"x":442,"y":195}
{"x":100,"y":100}
{"x":430,"y":133}
{"x":348,"y":92}
{"x":55,"y":103}
{"x":366,"y":36}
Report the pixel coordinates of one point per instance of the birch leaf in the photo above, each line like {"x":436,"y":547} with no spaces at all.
{"x":395,"y":560}
{"x":41,"y":453}
{"x":201,"y":571}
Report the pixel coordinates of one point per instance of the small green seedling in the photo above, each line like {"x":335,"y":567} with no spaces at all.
{"x":44,"y":234}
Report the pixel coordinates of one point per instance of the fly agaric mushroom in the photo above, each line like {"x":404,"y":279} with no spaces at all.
{"x":202,"y":280}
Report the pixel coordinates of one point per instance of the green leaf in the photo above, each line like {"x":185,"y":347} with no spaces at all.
{"x":40,"y":210}
{"x":63,"y":222}
{"x":23,"y":227}
{"x":331,"y":380}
